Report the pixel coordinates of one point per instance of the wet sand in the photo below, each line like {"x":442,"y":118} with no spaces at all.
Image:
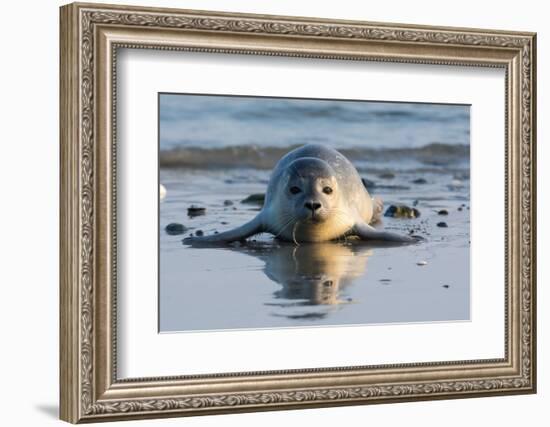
{"x":272,"y":284}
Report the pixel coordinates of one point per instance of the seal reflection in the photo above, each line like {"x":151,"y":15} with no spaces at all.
{"x":313,"y":276}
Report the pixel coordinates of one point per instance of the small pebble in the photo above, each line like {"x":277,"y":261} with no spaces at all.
{"x":419,"y":181}
{"x":460,"y":208}
{"x":442,"y":224}
{"x":422,"y":263}
{"x":227,"y":203}
{"x":443,"y":212}
{"x":415,"y":203}
{"x":199,"y":233}
{"x":224,"y":222}
{"x":446,"y":286}
{"x":175,"y":228}
{"x":195,"y":211}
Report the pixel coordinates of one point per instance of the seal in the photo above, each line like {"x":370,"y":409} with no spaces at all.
{"x":314,"y":194}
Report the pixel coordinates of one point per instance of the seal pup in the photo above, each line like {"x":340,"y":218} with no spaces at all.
{"x":314,"y":194}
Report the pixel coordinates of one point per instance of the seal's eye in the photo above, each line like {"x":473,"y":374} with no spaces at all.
{"x":327,"y":190}
{"x":295,"y":190}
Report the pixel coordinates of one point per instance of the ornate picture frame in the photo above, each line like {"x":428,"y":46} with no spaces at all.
{"x":90,"y":37}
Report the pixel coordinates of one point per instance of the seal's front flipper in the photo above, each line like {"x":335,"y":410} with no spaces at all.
{"x":367,"y":232}
{"x":240,"y":233}
{"x":377,"y":210}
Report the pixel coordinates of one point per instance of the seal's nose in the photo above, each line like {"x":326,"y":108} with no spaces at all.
{"x":313,"y":206}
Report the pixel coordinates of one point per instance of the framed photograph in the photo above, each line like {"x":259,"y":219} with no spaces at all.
{"x":266,"y":212}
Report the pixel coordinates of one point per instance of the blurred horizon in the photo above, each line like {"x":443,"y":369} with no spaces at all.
{"x":214,"y":121}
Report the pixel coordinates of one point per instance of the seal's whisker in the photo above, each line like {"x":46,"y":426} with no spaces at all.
{"x":282,"y":228}
{"x":286,"y":223}
{"x":294,"y":234}
{"x":294,"y":250}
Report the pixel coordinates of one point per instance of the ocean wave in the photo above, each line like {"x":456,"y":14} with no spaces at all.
{"x":250,"y":156}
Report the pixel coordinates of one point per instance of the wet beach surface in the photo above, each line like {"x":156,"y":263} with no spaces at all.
{"x":267,"y":283}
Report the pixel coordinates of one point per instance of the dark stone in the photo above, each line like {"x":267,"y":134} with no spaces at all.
{"x":386,"y":175}
{"x":195,"y":211}
{"x":419,"y":181}
{"x":227,"y":203}
{"x":442,"y":224}
{"x":402,"y":211}
{"x":199,"y":233}
{"x":175,"y":229}
{"x":443,"y":212}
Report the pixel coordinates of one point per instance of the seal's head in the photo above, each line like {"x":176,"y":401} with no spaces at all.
{"x":311,"y":190}
{"x":310,"y":203}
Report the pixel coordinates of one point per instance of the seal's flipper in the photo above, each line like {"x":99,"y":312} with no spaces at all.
{"x":367,"y":232}
{"x":240,"y":233}
{"x":377,"y":209}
